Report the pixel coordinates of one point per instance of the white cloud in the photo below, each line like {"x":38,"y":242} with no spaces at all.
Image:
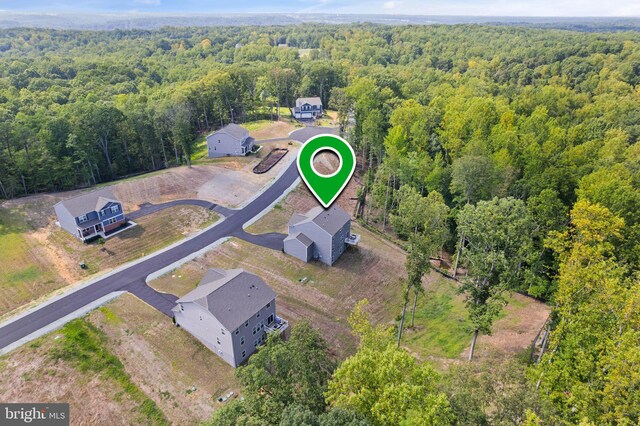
{"x":388,"y":5}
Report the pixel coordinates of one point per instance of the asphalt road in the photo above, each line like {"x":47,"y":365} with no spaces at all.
{"x":133,"y":278}
{"x":148,"y":208}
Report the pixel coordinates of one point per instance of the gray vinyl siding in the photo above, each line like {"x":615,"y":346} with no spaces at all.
{"x":66,"y":220}
{"x":295,"y":248}
{"x":207,"y":329}
{"x":221,"y":145}
{"x":322,"y":240}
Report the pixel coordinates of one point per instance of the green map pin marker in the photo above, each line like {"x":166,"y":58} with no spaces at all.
{"x":326,"y":188}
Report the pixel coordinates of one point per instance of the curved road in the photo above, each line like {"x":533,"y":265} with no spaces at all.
{"x":133,"y":278}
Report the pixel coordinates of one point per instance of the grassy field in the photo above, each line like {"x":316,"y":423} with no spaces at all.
{"x":123,"y":364}
{"x":24,"y":270}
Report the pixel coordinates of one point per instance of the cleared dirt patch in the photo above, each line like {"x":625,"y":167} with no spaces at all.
{"x":274,"y":156}
{"x":271,"y":130}
{"x":31,"y":374}
{"x":177,"y":372}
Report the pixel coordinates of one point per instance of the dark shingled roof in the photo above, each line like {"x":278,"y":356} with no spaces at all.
{"x":232,"y":296}
{"x":233,"y":130}
{"x":91,"y":202}
{"x":311,"y":101}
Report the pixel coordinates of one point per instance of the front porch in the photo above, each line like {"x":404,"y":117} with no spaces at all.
{"x":97,"y":230}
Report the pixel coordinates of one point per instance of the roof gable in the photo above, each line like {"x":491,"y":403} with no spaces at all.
{"x":330,"y":220}
{"x":311,"y":101}
{"x":239,"y":133}
{"x":90,"y":202}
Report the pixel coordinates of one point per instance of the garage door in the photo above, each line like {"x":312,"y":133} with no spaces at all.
{"x":306,"y":115}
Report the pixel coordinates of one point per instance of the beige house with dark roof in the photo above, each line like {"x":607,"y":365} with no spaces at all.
{"x":231,"y":140}
{"x":321,"y":234}
{"x":230,"y":312}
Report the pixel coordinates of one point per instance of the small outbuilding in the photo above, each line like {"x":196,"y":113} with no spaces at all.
{"x":230,"y":312}
{"x":231,"y":140}
{"x":320,"y":234}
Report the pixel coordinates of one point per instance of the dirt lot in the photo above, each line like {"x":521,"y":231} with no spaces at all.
{"x":279,"y":129}
{"x":30,"y":374}
{"x":179,"y":374}
{"x":236,"y":183}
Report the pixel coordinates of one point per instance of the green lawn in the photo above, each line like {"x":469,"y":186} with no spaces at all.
{"x":21,"y":269}
{"x":442,"y":328}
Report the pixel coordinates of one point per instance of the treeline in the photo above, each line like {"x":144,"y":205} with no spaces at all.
{"x":515,"y":150}
{"x":296,"y":383}
{"x":80,"y":108}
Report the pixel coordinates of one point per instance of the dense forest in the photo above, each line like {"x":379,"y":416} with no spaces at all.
{"x":514,"y":149}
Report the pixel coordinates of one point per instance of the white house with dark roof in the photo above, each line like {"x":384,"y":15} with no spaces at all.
{"x":308,"y":108}
{"x":321,"y":234}
{"x":230,"y":312}
{"x":231,"y":140}
{"x":91,"y":215}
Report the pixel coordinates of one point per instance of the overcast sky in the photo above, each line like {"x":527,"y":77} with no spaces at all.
{"x":624,"y":8}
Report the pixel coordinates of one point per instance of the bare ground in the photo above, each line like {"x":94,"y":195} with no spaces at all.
{"x":30,"y":374}
{"x":165,"y":362}
{"x":279,"y":129}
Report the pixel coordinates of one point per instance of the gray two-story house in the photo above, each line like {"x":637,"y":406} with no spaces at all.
{"x":230,"y":312}
{"x":308,"y":108}
{"x":320,"y":234}
{"x":91,"y":215}
{"x":231,"y":140}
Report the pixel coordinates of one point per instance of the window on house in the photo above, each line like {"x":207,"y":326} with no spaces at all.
{"x":218,"y":340}
{"x":244,"y":354}
{"x":269,"y":305}
{"x":258,"y":315}
{"x":242,"y":340}
{"x":115,"y":209}
{"x":237,"y":331}
{"x":222,"y":329}
{"x":82,"y":219}
{"x":246,"y":324}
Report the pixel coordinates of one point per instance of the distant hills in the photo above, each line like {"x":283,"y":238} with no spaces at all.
{"x":146,"y":21}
